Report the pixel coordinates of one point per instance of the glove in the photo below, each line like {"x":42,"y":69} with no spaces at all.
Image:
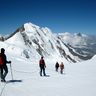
{"x":9,"y":61}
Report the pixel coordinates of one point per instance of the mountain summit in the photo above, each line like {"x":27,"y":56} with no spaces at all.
{"x":33,"y":41}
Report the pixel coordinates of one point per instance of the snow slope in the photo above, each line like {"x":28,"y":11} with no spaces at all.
{"x":79,"y":79}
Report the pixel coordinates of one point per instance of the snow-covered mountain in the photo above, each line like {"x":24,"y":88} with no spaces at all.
{"x":82,"y":43}
{"x":33,"y":42}
{"x":24,"y":48}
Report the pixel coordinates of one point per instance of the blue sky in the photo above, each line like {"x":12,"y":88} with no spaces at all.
{"x":59,"y":15}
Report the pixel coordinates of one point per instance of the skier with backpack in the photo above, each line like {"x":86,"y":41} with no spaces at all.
{"x":3,"y":66}
{"x":61,"y":67}
{"x":42,"y":66}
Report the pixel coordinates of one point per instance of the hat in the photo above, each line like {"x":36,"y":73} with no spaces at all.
{"x":2,"y":49}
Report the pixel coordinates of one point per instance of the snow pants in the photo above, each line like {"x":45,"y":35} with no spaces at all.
{"x":3,"y":72}
{"x":42,"y":69}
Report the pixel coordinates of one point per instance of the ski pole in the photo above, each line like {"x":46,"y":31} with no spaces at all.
{"x":11,"y":71}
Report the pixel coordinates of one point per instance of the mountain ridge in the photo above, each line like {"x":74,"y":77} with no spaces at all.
{"x":44,"y":43}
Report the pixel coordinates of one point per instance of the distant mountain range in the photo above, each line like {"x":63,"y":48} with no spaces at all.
{"x":33,"y":41}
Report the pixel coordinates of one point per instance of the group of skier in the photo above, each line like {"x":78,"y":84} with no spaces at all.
{"x":42,"y":65}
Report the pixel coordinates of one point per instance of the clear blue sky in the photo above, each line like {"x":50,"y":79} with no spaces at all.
{"x":59,"y":15}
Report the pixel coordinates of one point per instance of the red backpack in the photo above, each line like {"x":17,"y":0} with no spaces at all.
{"x":1,"y":59}
{"x":41,"y":62}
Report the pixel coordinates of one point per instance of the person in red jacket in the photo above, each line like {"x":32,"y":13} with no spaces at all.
{"x":42,"y":66}
{"x":3,"y":66}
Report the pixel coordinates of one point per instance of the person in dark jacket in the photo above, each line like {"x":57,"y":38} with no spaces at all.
{"x":3,"y":66}
{"x":57,"y":66}
{"x":42,"y":66}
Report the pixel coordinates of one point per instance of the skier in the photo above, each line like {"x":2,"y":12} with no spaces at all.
{"x":3,"y":66}
{"x":42,"y":66}
{"x":57,"y":66}
{"x":61,"y":67}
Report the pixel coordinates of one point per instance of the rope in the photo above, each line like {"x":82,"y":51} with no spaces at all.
{"x":3,"y":89}
{"x":20,"y":72}
{"x":24,"y":71}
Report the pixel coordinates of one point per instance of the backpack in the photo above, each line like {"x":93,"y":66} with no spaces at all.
{"x":41,"y":61}
{"x":62,"y":66}
{"x":57,"y":65}
{"x":1,"y":59}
